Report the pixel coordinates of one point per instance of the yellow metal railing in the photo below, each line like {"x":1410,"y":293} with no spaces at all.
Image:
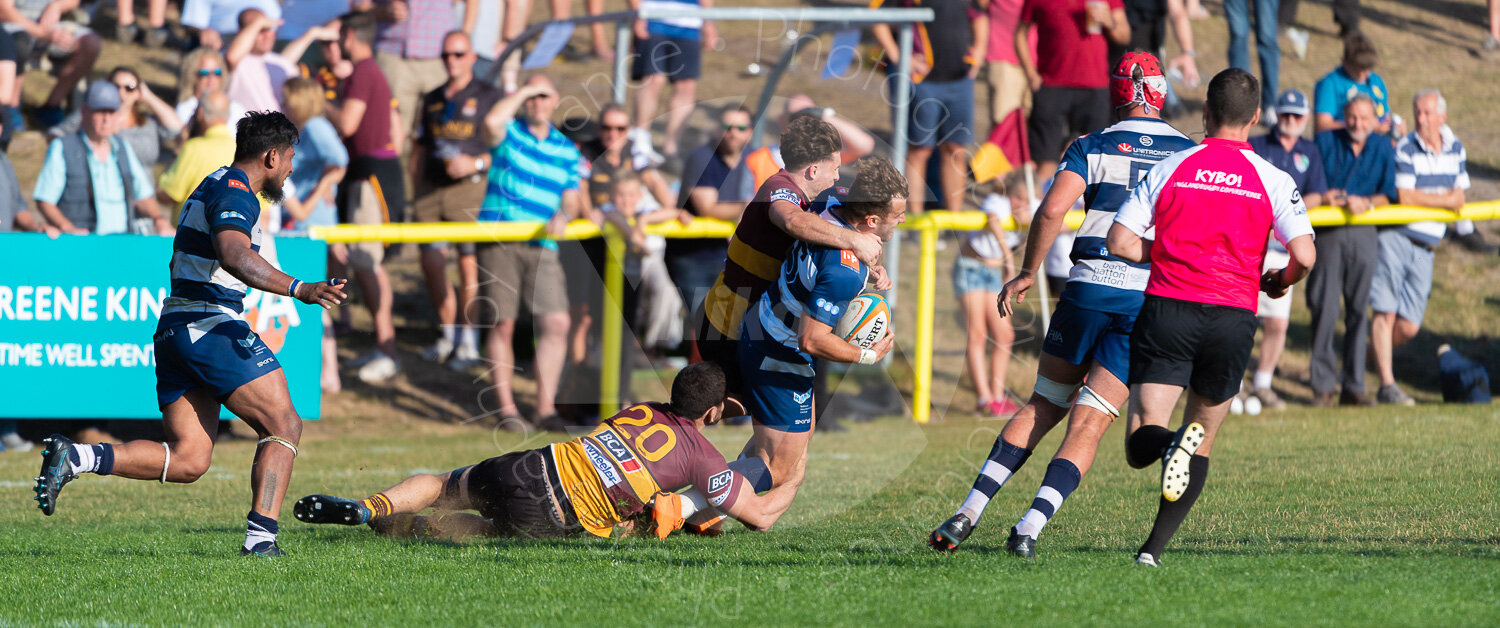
{"x":927,"y":225}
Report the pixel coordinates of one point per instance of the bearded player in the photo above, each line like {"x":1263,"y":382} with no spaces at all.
{"x":589,"y":484}
{"x":206,"y":354}
{"x":1085,"y":359}
{"x":792,"y":325}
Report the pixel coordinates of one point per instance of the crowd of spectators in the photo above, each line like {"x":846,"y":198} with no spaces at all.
{"x":395,"y":93}
{"x":1046,"y":63}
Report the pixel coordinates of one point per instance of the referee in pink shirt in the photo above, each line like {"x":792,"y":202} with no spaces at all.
{"x":1212,"y":207}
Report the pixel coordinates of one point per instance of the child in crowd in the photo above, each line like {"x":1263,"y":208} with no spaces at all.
{"x":656,"y":321}
{"x":982,"y":267}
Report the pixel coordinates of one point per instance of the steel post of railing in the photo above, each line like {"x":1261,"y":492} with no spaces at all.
{"x":622,"y":59}
{"x":900,"y":106}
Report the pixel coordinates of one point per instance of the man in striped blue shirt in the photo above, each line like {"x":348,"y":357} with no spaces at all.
{"x":1430,"y":172}
{"x":206,"y":354}
{"x":533,"y":177}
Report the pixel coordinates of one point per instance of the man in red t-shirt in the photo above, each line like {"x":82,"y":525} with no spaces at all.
{"x":374,"y":190}
{"x":1212,"y":207}
{"x":1069,"y":77}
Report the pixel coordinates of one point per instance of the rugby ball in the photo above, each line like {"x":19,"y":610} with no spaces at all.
{"x":866,"y":320}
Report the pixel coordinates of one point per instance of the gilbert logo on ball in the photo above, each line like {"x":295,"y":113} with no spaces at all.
{"x":866,"y":321}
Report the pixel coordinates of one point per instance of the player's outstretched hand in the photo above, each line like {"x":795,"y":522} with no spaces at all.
{"x":1270,"y":283}
{"x":325,"y":293}
{"x":1016,"y":288}
{"x":867,"y":247}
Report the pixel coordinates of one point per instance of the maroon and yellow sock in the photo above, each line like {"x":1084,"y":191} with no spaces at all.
{"x":378,"y":504}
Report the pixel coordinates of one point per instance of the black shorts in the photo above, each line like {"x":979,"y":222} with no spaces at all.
{"x":1182,"y":343}
{"x":679,"y":59}
{"x":1059,"y":114}
{"x":516,"y":492}
{"x":714,"y":347}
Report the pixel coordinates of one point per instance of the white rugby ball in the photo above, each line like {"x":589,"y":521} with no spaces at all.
{"x":866,"y":320}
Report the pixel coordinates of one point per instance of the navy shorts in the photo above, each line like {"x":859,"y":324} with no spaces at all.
{"x":219,"y":360}
{"x":778,"y":393}
{"x":679,"y":59}
{"x":1078,"y":335}
{"x":942,"y":112}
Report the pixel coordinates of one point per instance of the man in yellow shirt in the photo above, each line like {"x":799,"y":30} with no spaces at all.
{"x":201,"y":155}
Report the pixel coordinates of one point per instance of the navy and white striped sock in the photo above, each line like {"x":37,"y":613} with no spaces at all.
{"x":1003,"y":461}
{"x":1062,"y":477}
{"x":98,"y":459}
{"x":259,"y":531}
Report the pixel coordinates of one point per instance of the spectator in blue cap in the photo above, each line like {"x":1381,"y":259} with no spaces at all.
{"x":91,"y":181}
{"x":1286,"y":149}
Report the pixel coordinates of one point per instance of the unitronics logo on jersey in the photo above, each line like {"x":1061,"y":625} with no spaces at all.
{"x":1144,"y":152}
{"x":1218,"y":178}
{"x":618,"y":451}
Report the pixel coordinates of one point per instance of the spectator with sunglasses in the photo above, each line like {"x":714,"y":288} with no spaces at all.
{"x":148,"y":120}
{"x":203,"y":70}
{"x":448,"y":166}
{"x":715,"y":184}
{"x":607,"y":159}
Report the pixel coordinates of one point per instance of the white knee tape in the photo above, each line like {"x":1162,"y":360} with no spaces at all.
{"x":1087,"y":397}
{"x":280,"y":441}
{"x":166,"y":462}
{"x":1060,"y":395}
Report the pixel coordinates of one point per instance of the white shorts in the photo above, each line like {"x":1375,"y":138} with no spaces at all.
{"x":1275,"y":308}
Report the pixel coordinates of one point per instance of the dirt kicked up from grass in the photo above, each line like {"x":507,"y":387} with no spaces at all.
{"x":1331,"y":517}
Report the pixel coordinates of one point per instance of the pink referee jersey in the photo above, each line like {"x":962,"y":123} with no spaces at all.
{"x":1212,"y":206}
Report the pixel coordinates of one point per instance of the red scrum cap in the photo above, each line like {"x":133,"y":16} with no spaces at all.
{"x":1138,"y":79}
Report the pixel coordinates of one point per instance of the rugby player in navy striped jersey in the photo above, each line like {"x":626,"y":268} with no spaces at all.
{"x":1082,"y":372}
{"x":206,"y":354}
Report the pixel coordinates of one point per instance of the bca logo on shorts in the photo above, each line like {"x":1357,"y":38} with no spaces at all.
{"x":801,"y":398}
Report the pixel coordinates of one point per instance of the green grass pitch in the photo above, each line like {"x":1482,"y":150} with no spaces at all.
{"x":1380,"y":516}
